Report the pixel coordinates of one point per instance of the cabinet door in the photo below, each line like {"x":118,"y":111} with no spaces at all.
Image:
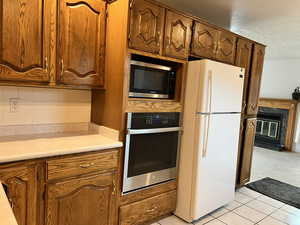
{"x":247,"y":151}
{"x":20,"y":183}
{"x":204,"y":41}
{"x":255,"y":79}
{"x":226,"y":47}
{"x":85,"y":200}
{"x":24,"y":44}
{"x":243,"y":59}
{"x":146,"y":26}
{"x":81,"y":42}
{"x":178,"y":31}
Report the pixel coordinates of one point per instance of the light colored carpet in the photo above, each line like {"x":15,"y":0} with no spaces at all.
{"x":282,"y":166}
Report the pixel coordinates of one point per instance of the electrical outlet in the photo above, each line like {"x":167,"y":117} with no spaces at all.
{"x":14,"y":105}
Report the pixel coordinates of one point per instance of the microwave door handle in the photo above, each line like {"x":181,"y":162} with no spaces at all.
{"x":153,"y":131}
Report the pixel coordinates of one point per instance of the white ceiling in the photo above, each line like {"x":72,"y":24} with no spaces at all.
{"x":271,"y":22}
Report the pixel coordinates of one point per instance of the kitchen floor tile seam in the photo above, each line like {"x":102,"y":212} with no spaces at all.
{"x":222,"y":221}
{"x":246,"y":218}
{"x":279,"y":219}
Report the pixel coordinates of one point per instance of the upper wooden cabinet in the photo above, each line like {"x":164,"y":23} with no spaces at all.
{"x":255,"y":79}
{"x":212,"y":43}
{"x":84,"y":200}
{"x":226,"y":47}
{"x":146,"y":26}
{"x":178,"y":31}
{"x":20,"y":183}
{"x":243,"y":59}
{"x":204,"y":41}
{"x":81,"y":44}
{"x":24,"y":34}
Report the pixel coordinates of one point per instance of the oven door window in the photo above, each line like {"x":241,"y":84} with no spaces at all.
{"x":152,"y":152}
{"x":148,"y":80}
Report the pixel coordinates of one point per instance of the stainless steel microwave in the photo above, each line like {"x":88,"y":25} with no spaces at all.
{"x":151,"y":81}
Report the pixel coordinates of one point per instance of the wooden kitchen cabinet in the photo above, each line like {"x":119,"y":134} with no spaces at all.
{"x":84,"y":200}
{"x":141,"y":212}
{"x":81,"y":42}
{"x":146,"y":26}
{"x":255,"y":79}
{"x":20,"y":184}
{"x":204,"y":41}
{"x":243,"y":59}
{"x":25,"y":40}
{"x":226,"y":47}
{"x":247,"y":151}
{"x":178,"y":33}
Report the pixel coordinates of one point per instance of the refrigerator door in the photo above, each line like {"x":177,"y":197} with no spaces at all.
{"x":215,"y":162}
{"x":220,"y":86}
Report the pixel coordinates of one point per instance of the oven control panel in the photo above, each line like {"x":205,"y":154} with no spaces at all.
{"x":153,"y":120}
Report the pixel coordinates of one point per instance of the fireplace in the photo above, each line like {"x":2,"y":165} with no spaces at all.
{"x":275,"y":124}
{"x":271,"y":128}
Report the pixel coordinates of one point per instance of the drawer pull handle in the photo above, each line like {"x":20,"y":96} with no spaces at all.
{"x":87,"y":165}
{"x":152,"y":209}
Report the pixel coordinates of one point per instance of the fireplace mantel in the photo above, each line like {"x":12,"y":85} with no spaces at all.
{"x":291,"y":106}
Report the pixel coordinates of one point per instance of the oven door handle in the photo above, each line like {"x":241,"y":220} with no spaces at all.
{"x":153,"y":131}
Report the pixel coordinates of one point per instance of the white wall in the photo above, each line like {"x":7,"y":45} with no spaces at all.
{"x":279,"y":79}
{"x":44,"y":106}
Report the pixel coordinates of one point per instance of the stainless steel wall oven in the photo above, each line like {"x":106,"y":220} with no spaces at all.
{"x":151,"y":151}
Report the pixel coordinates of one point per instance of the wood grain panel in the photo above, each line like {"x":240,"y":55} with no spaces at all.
{"x":146,"y":26}
{"x":247,"y":152}
{"x":21,"y":185}
{"x":146,"y":210}
{"x":153,"y":106}
{"x":204,"y":41}
{"x":255,"y":79}
{"x":83,"y":164}
{"x":24,"y":46}
{"x":243,"y":59}
{"x":178,"y":32}
{"x":86,"y":200}
{"x":226,"y":47}
{"x":149,"y":192}
{"x":82,"y":42}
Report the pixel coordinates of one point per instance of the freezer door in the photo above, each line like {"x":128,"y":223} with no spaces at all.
{"x":215,"y":162}
{"x":221,"y":87}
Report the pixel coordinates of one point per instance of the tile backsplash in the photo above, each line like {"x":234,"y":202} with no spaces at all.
{"x":24,"y":106}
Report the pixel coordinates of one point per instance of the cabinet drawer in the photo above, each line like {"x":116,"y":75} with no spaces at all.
{"x":148,"y":209}
{"x":77,"y":165}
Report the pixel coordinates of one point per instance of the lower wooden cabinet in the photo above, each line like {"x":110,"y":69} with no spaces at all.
{"x":247,"y":151}
{"x":20,"y":184}
{"x":82,"y":201}
{"x":147,"y":210}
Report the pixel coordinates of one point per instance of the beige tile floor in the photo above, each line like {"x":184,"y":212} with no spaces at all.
{"x":248,"y":208}
{"x":283,"y":166}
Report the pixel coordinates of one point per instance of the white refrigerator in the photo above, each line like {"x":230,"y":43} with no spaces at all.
{"x":208,"y":156}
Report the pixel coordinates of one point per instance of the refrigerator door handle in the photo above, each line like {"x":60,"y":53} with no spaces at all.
{"x":207,"y":120}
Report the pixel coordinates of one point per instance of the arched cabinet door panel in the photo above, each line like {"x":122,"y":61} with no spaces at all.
{"x":20,"y":184}
{"x":84,"y":200}
{"x":81,"y":45}
{"x":146,"y":26}
{"x":255,"y":79}
{"x":25,"y":40}
{"x":178,"y":33}
{"x":243,"y":59}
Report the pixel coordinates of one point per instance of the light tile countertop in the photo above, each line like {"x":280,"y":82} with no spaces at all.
{"x":47,"y":145}
{"x":6,"y":214}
